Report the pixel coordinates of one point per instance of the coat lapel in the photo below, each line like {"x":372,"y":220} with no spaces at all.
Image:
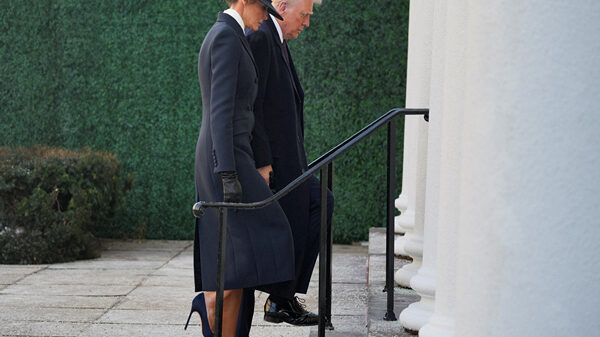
{"x":287,"y":60}
{"x":295,"y":78}
{"x":240,"y":33}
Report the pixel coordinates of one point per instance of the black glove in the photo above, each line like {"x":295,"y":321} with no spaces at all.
{"x":232,"y":189}
{"x":272,"y":182}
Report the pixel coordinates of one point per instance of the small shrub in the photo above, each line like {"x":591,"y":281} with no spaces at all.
{"x":54,"y":201}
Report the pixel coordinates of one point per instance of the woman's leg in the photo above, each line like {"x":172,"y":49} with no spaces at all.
{"x":231,"y":308}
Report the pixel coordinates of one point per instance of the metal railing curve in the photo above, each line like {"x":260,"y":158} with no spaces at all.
{"x":324,"y":164}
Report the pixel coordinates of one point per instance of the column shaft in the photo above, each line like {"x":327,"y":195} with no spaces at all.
{"x":529,"y":257}
{"x":417,"y":95}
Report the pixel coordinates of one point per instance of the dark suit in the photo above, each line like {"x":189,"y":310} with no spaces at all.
{"x":278,"y":140}
{"x":259,"y":242}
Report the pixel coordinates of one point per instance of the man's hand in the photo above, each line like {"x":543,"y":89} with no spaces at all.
{"x":265,"y":172}
{"x":232,"y":189}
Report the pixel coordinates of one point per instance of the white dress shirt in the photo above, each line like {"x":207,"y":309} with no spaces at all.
{"x":277,"y":27}
{"x":234,"y":14}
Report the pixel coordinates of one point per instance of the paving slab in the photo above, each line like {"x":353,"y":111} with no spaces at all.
{"x":137,"y":245}
{"x":147,"y":316}
{"x":30,"y":313}
{"x":68,"y":290}
{"x":108,"y":264}
{"x":161,"y":291}
{"x":156,"y":302}
{"x":41,"y":328}
{"x":32,"y":268}
{"x":85,"y":276}
{"x":145,"y":330}
{"x":184,"y":281}
{"x":279,"y":331}
{"x":8,"y":302}
{"x":9,"y":274}
{"x":140,"y":255}
{"x":10,"y":278}
{"x":167,"y":270}
{"x":183,"y":261}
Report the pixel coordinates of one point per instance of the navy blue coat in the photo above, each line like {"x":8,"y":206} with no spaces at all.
{"x":278,"y":137}
{"x":259,"y":242}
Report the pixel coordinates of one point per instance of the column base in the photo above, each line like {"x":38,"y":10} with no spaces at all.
{"x":404,"y":274}
{"x":416,"y":315}
{"x":424,"y":283}
{"x":438,"y":326}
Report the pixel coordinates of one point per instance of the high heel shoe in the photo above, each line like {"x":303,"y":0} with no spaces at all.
{"x":199,"y":306}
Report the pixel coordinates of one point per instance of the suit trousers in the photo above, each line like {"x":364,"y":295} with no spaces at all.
{"x":313,"y":244}
{"x":312,"y":251}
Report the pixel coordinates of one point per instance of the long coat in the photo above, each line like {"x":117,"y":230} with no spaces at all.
{"x":259,"y":242}
{"x":278,"y":137}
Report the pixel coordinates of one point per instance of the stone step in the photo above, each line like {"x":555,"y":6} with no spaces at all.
{"x":377,"y":298}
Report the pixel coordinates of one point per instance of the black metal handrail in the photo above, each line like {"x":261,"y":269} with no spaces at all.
{"x":325,"y":164}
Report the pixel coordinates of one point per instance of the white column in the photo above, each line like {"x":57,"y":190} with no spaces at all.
{"x":448,"y":73}
{"x":417,"y":314}
{"x":529,"y":234}
{"x":424,"y":283}
{"x":417,"y":96}
{"x":405,"y":203}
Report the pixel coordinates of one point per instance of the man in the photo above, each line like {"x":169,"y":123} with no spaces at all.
{"x":278,"y":146}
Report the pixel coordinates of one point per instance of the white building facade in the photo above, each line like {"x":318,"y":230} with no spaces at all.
{"x":503,"y":184}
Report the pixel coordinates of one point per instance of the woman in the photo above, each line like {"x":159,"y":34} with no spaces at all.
{"x":259,"y":242}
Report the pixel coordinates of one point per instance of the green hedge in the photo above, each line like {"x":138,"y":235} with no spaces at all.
{"x":53,"y":202}
{"x":122,"y":77}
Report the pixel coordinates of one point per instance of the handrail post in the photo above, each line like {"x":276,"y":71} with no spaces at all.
{"x":329,"y":323}
{"x":221,"y":271}
{"x":389,"y":246}
{"x":323,"y":253}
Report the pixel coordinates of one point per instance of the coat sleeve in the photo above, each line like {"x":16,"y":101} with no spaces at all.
{"x":260,"y":140}
{"x":224,"y":59}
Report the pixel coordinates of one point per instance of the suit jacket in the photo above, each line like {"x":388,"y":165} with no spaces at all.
{"x":258,"y":241}
{"x":278,"y":136}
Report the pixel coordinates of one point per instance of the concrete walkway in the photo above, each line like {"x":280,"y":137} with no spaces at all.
{"x":145,"y":288}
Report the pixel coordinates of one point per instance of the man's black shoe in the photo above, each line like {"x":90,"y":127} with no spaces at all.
{"x":289,"y":311}
{"x":298,"y":304}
